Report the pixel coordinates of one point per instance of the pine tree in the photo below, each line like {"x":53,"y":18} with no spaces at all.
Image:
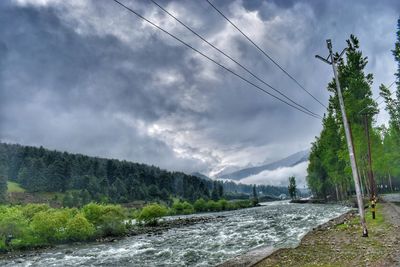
{"x":292,"y":187}
{"x":255,"y":196}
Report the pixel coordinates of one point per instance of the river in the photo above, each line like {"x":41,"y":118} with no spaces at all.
{"x":276,"y":224}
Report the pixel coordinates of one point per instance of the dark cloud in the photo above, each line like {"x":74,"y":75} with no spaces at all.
{"x":89,"y":77}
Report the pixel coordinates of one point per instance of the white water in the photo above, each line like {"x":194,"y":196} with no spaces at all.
{"x":277,"y":224}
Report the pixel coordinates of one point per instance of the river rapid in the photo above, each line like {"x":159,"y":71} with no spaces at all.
{"x":275,"y":224}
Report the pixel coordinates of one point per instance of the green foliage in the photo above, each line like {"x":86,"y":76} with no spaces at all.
{"x":107,"y":219}
{"x":49,"y":226}
{"x":93,"y":212}
{"x":255,"y":196}
{"x":200,"y":205}
{"x":179,"y":207}
{"x":3,"y":189}
{"x":86,"y":179}
{"x":30,"y":210}
{"x":292,"y":187}
{"x":329,"y":172}
{"x":151,"y":213}
{"x":35,"y":225}
{"x":79,"y":228}
{"x":13,"y":225}
{"x":13,"y":187}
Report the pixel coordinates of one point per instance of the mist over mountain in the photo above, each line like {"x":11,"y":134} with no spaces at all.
{"x":290,"y":161}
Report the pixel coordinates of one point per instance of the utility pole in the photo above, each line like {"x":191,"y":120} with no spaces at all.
{"x":331,"y":61}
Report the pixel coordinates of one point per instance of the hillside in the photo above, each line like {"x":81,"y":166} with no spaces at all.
{"x":82,"y":178}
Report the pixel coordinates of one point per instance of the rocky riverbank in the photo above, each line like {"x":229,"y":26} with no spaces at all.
{"x":339,"y":243}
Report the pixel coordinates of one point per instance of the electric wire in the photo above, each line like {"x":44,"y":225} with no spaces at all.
{"x":213,"y":60}
{"x":379,"y":96}
{"x":232,"y":59}
{"x":266,"y":54}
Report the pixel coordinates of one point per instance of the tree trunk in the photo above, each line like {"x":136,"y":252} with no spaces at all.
{"x":390,"y":182}
{"x":366,"y":183}
{"x":337,"y":192}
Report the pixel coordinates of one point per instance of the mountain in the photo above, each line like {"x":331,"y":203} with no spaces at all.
{"x":201,"y":176}
{"x":289,"y":161}
{"x":230,"y":169}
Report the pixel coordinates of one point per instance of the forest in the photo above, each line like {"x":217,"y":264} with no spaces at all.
{"x":329,"y":171}
{"x":83,"y":179}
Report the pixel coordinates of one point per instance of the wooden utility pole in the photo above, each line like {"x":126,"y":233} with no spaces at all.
{"x":331,"y":61}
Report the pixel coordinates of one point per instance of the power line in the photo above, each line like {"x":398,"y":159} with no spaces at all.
{"x":387,"y":88}
{"x":212,"y":60}
{"x":268,"y":56}
{"x":378,"y":98}
{"x":235,"y":61}
{"x":389,"y":95}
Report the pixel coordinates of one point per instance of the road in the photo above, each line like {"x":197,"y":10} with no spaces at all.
{"x":392,"y":211}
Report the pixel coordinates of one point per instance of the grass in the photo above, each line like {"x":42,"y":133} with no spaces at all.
{"x":13,"y":187}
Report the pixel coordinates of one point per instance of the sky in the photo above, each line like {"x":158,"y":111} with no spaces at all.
{"x":89,"y":77}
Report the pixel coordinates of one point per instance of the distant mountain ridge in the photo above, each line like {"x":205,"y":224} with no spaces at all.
{"x":289,"y":161}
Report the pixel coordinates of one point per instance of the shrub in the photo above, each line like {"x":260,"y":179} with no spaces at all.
{"x":213,"y":206}
{"x":200,"y":205}
{"x":223,"y":204}
{"x":187,"y":208}
{"x":177,"y":207}
{"x":93,"y":212}
{"x":49,"y":226}
{"x":79,"y":228}
{"x":13,"y":225}
{"x":30,"y":210}
{"x":150,"y":214}
{"x":107,"y":219}
{"x":112,"y":221}
{"x":182,"y":207}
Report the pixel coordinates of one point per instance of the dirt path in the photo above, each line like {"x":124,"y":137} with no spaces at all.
{"x":342,"y":244}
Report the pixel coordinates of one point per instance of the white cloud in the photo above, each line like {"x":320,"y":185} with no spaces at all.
{"x":280,"y":176}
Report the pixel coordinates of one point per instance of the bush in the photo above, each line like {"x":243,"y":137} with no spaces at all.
{"x":49,"y":226}
{"x":213,"y":206}
{"x":79,"y":228}
{"x":93,"y":213}
{"x":200,"y":205}
{"x":177,"y":207}
{"x":223,"y":204}
{"x":107,"y":219}
{"x":30,"y":210}
{"x":150,"y":214}
{"x":13,"y":225}
{"x":112,"y":221}
{"x":182,"y":208}
{"x":187,"y":208}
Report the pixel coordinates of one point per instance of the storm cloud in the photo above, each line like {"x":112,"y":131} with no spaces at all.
{"x":90,"y":77}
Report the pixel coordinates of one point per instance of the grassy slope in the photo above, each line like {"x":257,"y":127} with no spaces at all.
{"x":342,"y":245}
{"x":13,"y":187}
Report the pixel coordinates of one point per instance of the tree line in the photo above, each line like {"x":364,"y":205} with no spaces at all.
{"x":329,"y":171}
{"x":83,"y":179}
{"x":96,"y":179}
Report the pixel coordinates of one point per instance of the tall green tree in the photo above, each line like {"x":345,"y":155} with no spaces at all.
{"x":329,"y":171}
{"x":292,"y":188}
{"x":391,"y":135}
